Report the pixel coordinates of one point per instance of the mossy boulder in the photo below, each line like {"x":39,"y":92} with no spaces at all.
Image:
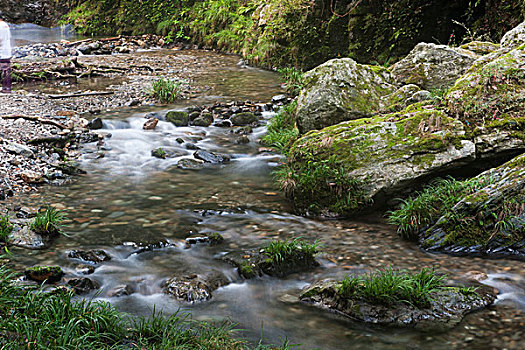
{"x":447,"y":307}
{"x":480,"y":47}
{"x":341,"y":90}
{"x":48,"y":274}
{"x":244,"y":118}
{"x":347,"y":167}
{"x":432,"y":66}
{"x":489,"y":221}
{"x":514,"y":38}
{"x":204,"y":119}
{"x":492,"y":90}
{"x":177,"y":118}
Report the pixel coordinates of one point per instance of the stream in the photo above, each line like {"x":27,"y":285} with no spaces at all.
{"x":129,"y":199}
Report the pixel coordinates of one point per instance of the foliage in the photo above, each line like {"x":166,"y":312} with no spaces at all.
{"x":293,"y":79}
{"x":426,"y":207}
{"x":389,"y":286}
{"x":166,"y":90}
{"x":5,"y":227}
{"x":48,"y":221}
{"x":281,"y":130}
{"x":159,"y":153}
{"x":34,"y":319}
{"x":326,"y":181}
{"x":281,"y":251}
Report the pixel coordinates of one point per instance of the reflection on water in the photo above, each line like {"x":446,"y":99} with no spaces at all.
{"x":129,"y":198}
{"x":28,"y":33}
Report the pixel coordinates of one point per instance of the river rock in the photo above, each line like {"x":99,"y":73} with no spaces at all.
{"x":17,"y":148}
{"x":341,"y":90}
{"x":24,"y":237}
{"x":212,"y":238}
{"x":432,"y":66}
{"x":190,"y":164}
{"x":244,"y":118}
{"x":32,"y":177}
{"x":120,"y":291}
{"x":83,"y":285}
{"x":177,"y":118}
{"x":446,"y":310}
{"x":380,"y":157}
{"x":210,"y":157}
{"x":514,"y":38}
{"x":190,"y":288}
{"x":96,"y":124}
{"x":150,"y":124}
{"x":205,"y":119}
{"x":489,"y":221}
{"x":49,"y":274}
{"x":95,"y":256}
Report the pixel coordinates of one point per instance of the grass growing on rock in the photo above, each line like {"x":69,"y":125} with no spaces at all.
{"x":390,"y":286}
{"x":48,"y":221}
{"x":33,"y":319}
{"x":282,"y":131}
{"x":426,"y":207}
{"x":281,"y":251}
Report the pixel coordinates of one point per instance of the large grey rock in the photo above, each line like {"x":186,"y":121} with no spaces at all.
{"x":341,"y":90}
{"x":432,"y":66}
{"x":514,"y":38}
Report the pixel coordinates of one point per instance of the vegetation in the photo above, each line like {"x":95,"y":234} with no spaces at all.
{"x":159,"y":153}
{"x":5,"y":228}
{"x":282,"y":131}
{"x":166,"y":90}
{"x":48,"y":221}
{"x":293,"y":79}
{"x":33,"y":319}
{"x":389,"y":286}
{"x":281,"y":251}
{"x":427,"y":206}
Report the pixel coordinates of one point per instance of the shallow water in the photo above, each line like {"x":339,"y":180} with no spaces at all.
{"x":129,"y":199}
{"x":28,"y":33}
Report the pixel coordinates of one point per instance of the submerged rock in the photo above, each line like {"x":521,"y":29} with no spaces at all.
{"x":49,"y":274}
{"x":432,"y":66}
{"x":341,"y":90}
{"x":92,"y":256}
{"x":189,"y":164}
{"x":120,"y":291}
{"x":212,"y":238}
{"x":447,"y":308}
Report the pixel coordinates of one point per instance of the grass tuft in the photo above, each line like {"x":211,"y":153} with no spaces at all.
{"x":48,"y":222}
{"x":5,"y":228}
{"x":281,"y":251}
{"x":282,"y":131}
{"x":166,"y":90}
{"x":390,"y":286}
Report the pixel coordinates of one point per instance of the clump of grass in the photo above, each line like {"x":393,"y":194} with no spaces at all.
{"x":293,"y":79}
{"x":166,"y":90}
{"x":390,"y":286}
{"x":33,"y":319}
{"x":48,"y":221}
{"x":281,"y":251}
{"x":159,"y":153}
{"x":281,"y":130}
{"x":5,"y":228}
{"x":317,"y":186}
{"x":417,"y":212}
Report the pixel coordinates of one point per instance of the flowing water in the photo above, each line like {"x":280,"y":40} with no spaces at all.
{"x":128,"y":199}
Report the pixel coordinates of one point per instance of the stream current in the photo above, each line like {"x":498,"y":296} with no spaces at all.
{"x":130,"y":199}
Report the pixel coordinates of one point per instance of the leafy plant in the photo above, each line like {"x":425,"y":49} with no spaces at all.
{"x":5,"y":227}
{"x":293,"y":79}
{"x":281,"y":130}
{"x":166,"y":90}
{"x":159,"y":153}
{"x":48,"y":221}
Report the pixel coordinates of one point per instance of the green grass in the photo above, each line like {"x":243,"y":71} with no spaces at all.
{"x":281,"y":251}
{"x":166,"y":90}
{"x":293,"y":79}
{"x":33,"y":319}
{"x":427,"y":206}
{"x":281,"y":130}
{"x":159,"y":153}
{"x":390,"y":286}
{"x":48,"y":221}
{"x":5,"y":228}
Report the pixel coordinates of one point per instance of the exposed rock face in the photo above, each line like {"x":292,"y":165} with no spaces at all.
{"x":490,"y":221}
{"x":447,"y":308}
{"x":341,"y":90}
{"x":432,"y":66}
{"x":514,"y":38}
{"x":383,"y":155}
{"x":42,"y":12}
{"x":480,"y":47}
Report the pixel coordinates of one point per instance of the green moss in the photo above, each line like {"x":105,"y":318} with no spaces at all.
{"x":177,"y":118}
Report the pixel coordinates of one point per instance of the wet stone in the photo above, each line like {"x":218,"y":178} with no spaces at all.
{"x":213,"y":238}
{"x":49,"y":274}
{"x":90,"y":256}
{"x":211,"y":157}
{"x":95,"y":124}
{"x":83,"y":285}
{"x":85,"y":269}
{"x":150,"y":124}
{"x":189,"y":164}
{"x":120,"y":291}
